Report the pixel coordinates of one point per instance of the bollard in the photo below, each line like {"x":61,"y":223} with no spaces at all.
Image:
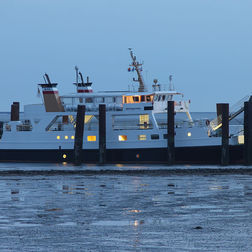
{"x":102,"y":133}
{"x":248,"y":132}
{"x":79,"y":132}
{"x":170,"y":132}
{"x":225,"y":133}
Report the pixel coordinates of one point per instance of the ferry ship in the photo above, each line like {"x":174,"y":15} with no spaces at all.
{"x":136,"y":126}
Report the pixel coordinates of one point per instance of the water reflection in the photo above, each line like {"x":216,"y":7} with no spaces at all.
{"x":131,"y":212}
{"x":15,"y":194}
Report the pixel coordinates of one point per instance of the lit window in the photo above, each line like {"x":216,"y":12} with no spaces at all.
{"x":72,"y":137}
{"x":144,"y":121}
{"x":66,"y":137}
{"x":141,"y":137}
{"x":91,"y":138}
{"x":189,"y":134}
{"x":64,"y":156}
{"x":58,"y":137}
{"x":241,"y":139}
{"x":122,"y":137}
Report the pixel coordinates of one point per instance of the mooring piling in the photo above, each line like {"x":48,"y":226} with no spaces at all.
{"x":15,"y":111}
{"x":102,"y":133}
{"x":248,"y":132}
{"x":79,"y":132}
{"x":224,"y":109}
{"x":170,"y":132}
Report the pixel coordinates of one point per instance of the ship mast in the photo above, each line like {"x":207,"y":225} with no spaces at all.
{"x":135,"y":64}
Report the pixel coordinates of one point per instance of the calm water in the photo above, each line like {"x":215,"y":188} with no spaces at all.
{"x":113,"y":212}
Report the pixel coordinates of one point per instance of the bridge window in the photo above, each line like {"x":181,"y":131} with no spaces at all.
{"x":148,"y":98}
{"x":136,"y":98}
{"x":132,"y":99}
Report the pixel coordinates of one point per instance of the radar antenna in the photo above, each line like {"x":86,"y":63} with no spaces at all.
{"x":136,"y":65}
{"x":171,"y":86}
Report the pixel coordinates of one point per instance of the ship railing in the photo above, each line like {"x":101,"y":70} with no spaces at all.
{"x":235,"y":110}
{"x":95,"y":107}
{"x":187,"y":124}
{"x":24,"y":127}
{"x":238,"y":133}
{"x":52,"y":123}
{"x":133,"y":127}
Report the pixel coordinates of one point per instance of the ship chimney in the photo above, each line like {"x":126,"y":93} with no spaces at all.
{"x":82,"y":87}
{"x":51,"y":96}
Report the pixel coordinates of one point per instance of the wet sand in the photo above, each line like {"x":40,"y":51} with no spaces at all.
{"x":120,"y":212}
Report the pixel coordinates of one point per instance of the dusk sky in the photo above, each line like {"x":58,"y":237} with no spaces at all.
{"x":205,"y":44}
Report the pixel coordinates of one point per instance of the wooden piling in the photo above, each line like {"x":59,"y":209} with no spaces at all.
{"x":1,"y":129}
{"x":170,"y":132}
{"x":15,"y":111}
{"x":102,"y":134}
{"x":225,"y":133}
{"x":79,"y":132}
{"x":248,"y":132}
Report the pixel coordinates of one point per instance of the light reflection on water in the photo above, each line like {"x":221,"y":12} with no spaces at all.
{"x":129,"y":212}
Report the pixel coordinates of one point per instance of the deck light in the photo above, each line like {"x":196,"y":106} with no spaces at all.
{"x":136,"y":223}
{"x":58,"y":137}
{"x":72,"y":137}
{"x":66,"y":137}
{"x":189,"y":134}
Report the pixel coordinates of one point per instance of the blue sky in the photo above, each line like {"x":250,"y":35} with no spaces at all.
{"x":205,"y":44}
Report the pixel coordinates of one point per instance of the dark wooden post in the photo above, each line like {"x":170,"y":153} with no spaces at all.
{"x":102,"y":134}
{"x":1,"y":129}
{"x":170,"y":132}
{"x":248,"y":132}
{"x":15,"y":111}
{"x":225,"y":134}
{"x":79,"y":132}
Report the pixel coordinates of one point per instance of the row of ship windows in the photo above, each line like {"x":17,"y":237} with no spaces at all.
{"x":124,"y":137}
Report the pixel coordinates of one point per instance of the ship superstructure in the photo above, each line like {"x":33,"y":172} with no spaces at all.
{"x":136,"y":125}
